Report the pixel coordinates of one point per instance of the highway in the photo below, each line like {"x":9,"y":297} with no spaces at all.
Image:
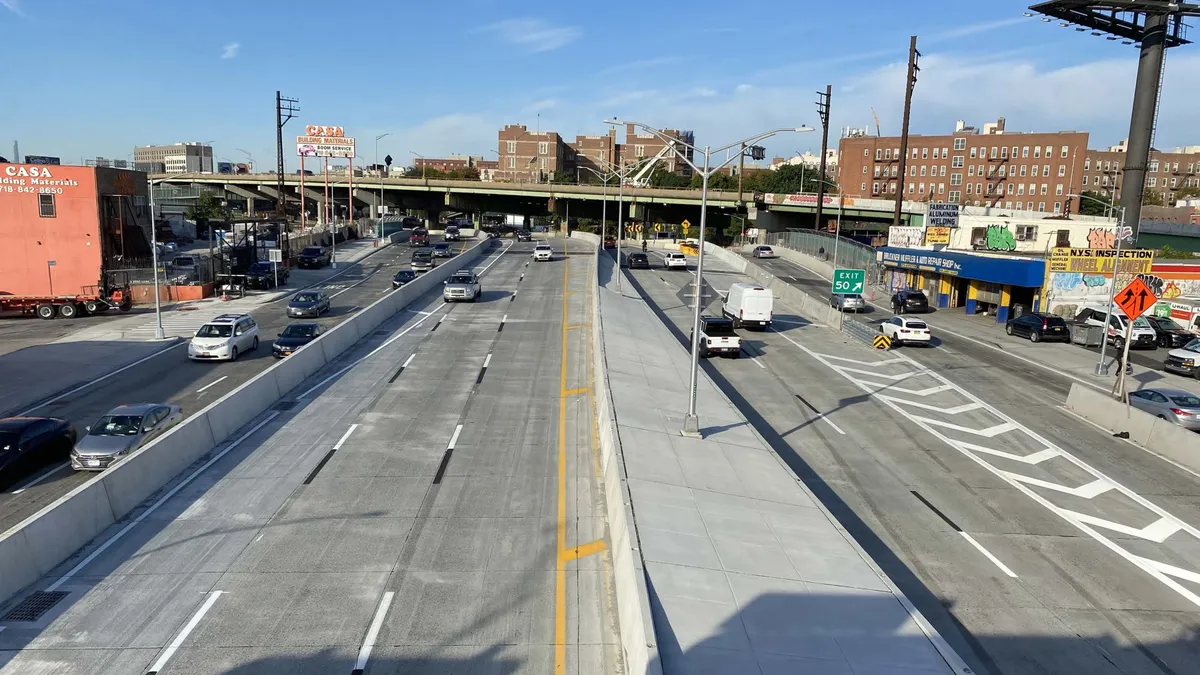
{"x":1034,"y":542}
{"x":431,"y":509}
{"x":172,"y":377}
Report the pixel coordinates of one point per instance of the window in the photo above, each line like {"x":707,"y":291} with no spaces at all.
{"x":1058,"y":190}
{"x":46,"y":206}
{"x":912,"y":170}
{"x":542,"y":163}
{"x":1037,"y":152}
{"x":638,"y":151}
{"x":1173,"y":182}
{"x":1028,"y":206}
{"x":914,"y":153}
{"x":874,"y":188}
{"x":973,"y":154}
{"x":922,"y":169}
{"x":892,"y":187}
{"x":956,"y":162}
{"x":1085,"y":181}
{"x":544,"y":147}
{"x":970,"y":189}
{"x":1008,"y":205}
{"x":956,"y":179}
{"x":1063,"y":153}
{"x":922,"y":190}
{"x":979,"y":170}
{"x":1058,"y":209}
{"x":1024,"y":152}
{"x":512,"y":162}
{"x":1044,"y":190}
{"x":1023,"y":168}
{"x":971,"y":170}
{"x":877,"y":171}
{"x":1003,"y":153}
{"x":1105,"y":180}
{"x":1087,"y":164}
{"x":960,"y":144}
{"x":862,"y":188}
{"x":954,"y":196}
{"x":992,"y":171}
{"x":1011,"y":188}
{"x":911,"y":188}
{"x":1033,"y":170}
{"x":512,"y":147}
{"x":896,"y":153}
{"x":924,"y":153}
{"x":1154,"y":165}
{"x":1046,"y":170}
{"x":1191,"y":167}
{"x":941,"y":188}
{"x":991,"y":188}
{"x":894,"y":169}
{"x":1175,"y":167}
{"x":1014,"y":151}
{"x":992,"y":154}
{"x":1032,"y":189}
{"x":1151,"y":181}
{"x":945,"y":153}
{"x":942,"y":172}
{"x":887,"y":154}
{"x":1062,"y":170}
{"x":1027,"y":232}
{"x":864,"y":169}
{"x":979,"y":188}
{"x":1021,"y":190}
{"x":1003,"y":172}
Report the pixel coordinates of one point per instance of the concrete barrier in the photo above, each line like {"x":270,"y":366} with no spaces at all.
{"x":635,"y":626}
{"x":32,"y":548}
{"x":1152,"y":433}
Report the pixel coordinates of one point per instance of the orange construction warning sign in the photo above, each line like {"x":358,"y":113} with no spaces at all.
{"x":1136,"y":298}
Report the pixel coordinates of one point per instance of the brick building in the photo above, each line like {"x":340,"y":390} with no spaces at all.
{"x":597,"y":153}
{"x":638,"y":146}
{"x":1166,"y":172}
{"x":531,"y":156}
{"x":1012,"y":170}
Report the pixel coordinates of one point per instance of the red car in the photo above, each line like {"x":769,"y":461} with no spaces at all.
{"x":609,"y":242}
{"x":419,"y":238}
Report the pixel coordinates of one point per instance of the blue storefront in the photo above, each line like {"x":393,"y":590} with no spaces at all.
{"x":978,"y":282}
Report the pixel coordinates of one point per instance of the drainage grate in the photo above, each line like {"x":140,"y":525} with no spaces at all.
{"x":382,"y":333}
{"x":33,"y":607}
{"x":284,"y":406}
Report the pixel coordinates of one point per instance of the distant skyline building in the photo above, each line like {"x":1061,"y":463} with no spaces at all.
{"x":185,"y":157}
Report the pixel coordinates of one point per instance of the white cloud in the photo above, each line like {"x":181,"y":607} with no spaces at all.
{"x":230,"y":50}
{"x":534,"y":35}
{"x":13,"y":6}
{"x":703,"y":92}
{"x":642,"y":65}
{"x":743,"y":88}
{"x":972,"y":29}
{"x":544,"y":104}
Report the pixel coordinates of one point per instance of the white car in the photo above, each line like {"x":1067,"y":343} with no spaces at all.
{"x":224,"y":338}
{"x":906,"y":331}
{"x":542,"y":252}
{"x":764,"y":252}
{"x":675,"y":261}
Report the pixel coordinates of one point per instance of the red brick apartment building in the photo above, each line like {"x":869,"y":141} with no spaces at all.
{"x":1166,"y":173}
{"x":638,"y":146}
{"x":531,"y":156}
{"x":1011,"y":170}
{"x":527,"y":156}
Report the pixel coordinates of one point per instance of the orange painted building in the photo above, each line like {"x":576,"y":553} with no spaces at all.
{"x":63,"y":227}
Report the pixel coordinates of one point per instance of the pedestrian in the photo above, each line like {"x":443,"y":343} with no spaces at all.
{"x":821,"y":253}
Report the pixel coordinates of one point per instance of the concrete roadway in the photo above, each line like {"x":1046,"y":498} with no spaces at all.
{"x":987,"y":558}
{"x":171,"y":377}
{"x":432,"y":509}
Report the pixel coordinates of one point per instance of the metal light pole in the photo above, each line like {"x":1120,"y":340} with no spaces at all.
{"x":604,"y":178}
{"x":691,"y":422}
{"x":159,"y":333}
{"x":1112,"y":290}
{"x":379,"y":207}
{"x":620,"y":175}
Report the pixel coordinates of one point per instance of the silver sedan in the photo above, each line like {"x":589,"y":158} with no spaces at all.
{"x":1173,"y":405}
{"x":121,"y":431}
{"x":848,"y":302}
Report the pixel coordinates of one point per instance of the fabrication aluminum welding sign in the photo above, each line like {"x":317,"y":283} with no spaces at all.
{"x":942,"y":215}
{"x":321,"y":141}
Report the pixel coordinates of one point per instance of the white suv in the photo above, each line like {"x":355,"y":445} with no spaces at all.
{"x":542,"y":252}
{"x":675,"y":260}
{"x":224,"y":338}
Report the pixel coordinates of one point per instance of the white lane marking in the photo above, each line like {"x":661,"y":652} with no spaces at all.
{"x":757,"y":362}
{"x":354,"y":284}
{"x":40,"y":477}
{"x":364,"y":654}
{"x":792,"y":323}
{"x":338,"y":445}
{"x":212,"y":384}
{"x":487,"y":360}
{"x":954,"y":410}
{"x":504,"y":319}
{"x":408,"y":360}
{"x":102,"y":378}
{"x":1086,"y":491}
{"x":154,"y":507}
{"x":392,"y":339}
{"x":259,"y":538}
{"x":819,"y":415}
{"x":988,"y":554}
{"x":417,"y":311}
{"x":187,"y":630}
{"x":454,"y":438}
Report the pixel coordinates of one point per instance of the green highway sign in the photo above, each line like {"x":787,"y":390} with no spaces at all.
{"x":849,"y":281}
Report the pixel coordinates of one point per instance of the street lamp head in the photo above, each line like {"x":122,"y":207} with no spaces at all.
{"x":614,"y":121}
{"x":803,"y":129}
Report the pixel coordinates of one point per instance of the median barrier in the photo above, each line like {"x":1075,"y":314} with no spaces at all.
{"x":34,"y":547}
{"x":1157,"y":435}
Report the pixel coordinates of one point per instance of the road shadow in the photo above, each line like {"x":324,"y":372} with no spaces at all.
{"x":494,"y":296}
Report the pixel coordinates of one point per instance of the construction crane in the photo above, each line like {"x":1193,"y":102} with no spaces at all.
{"x":877,"y":131}
{"x":642,"y":178}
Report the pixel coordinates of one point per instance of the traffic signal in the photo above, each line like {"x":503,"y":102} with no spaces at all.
{"x":757,"y":152}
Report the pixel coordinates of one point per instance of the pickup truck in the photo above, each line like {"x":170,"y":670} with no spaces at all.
{"x":717,"y":337}
{"x":462,"y":285}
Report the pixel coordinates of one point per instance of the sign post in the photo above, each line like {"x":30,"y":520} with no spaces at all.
{"x":1134,"y":300}
{"x":275,"y":255}
{"x":846,"y":282}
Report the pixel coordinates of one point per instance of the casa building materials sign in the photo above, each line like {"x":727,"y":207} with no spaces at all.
{"x":942,"y":215}
{"x":1101,"y":261}
{"x":319,"y":141}
{"x":35,"y":179}
{"x":937,"y":236}
{"x":797,"y":200}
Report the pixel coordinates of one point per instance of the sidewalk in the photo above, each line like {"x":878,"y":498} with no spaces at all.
{"x":182,"y":319}
{"x":747,"y":572}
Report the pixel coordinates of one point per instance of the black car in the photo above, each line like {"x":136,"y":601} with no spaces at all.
{"x":910,"y":300}
{"x":452,"y":233}
{"x":295,"y":336}
{"x":442,"y":250}
{"x":403,"y":277}
{"x":308,"y":303}
{"x":524,"y":235}
{"x":313,"y":257}
{"x":263,"y":275}
{"x":1169,"y":334}
{"x":1039,"y":327}
{"x":639,"y":261}
{"x":27,"y":443}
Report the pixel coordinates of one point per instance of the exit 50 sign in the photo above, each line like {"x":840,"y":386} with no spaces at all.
{"x":849,"y":281}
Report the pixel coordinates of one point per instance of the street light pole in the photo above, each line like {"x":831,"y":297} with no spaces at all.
{"x":379,"y":207}
{"x":159,"y":333}
{"x":1112,"y":286}
{"x":691,"y":422}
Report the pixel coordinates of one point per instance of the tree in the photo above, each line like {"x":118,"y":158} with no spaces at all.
{"x":1152,"y":198}
{"x":207,"y":207}
{"x":562,"y":177}
{"x":1093,"y":203}
{"x":719,"y":181}
{"x":661,"y":177}
{"x":1185,"y":192}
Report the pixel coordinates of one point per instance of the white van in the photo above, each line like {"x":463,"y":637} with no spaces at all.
{"x":749,"y":305}
{"x":1144,"y":335}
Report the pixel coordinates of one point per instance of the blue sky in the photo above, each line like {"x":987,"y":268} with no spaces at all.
{"x":85,"y":78}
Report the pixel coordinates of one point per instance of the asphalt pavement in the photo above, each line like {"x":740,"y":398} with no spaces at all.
{"x":171,"y":377}
{"x":1033,"y":541}
{"x":431,"y":509}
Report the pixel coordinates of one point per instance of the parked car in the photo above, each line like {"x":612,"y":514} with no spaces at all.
{"x":403,"y":277}
{"x":909,"y":300}
{"x":419,"y":238}
{"x":610,"y":242}
{"x":674,"y":261}
{"x":749,"y":305}
{"x":462,"y":285}
{"x":717,"y":337}
{"x":308,"y":303}
{"x":422,"y":260}
{"x":442,"y":250}
{"x":764,"y":252}
{"x":27,"y":443}
{"x":262,"y":275}
{"x":905,"y":331}
{"x":542,"y":252}
{"x":295,"y":336}
{"x":224,"y":338}
{"x":1169,"y":334}
{"x":1173,"y":405}
{"x":313,"y":257}
{"x":848,"y":302}
{"x":638,"y":261}
{"x":1185,"y":360}
{"x":1144,"y":336}
{"x":1038,"y":327}
{"x":121,"y":431}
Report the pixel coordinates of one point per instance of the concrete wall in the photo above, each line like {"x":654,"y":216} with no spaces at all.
{"x":1156,"y":435}
{"x":31,"y":549}
{"x":638,"y":641}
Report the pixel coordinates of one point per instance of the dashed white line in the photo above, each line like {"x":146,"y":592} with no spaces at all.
{"x":187,"y":630}
{"x":454,"y":438}
{"x":988,"y":554}
{"x":39,"y":478}
{"x":487,"y":360}
{"x":338,"y":445}
{"x":409,"y":359}
{"x":211,"y":384}
{"x":364,"y":654}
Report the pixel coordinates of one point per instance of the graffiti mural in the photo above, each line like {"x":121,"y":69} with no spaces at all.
{"x":999,"y":238}
{"x":1099,"y":237}
{"x":1155,"y":284}
{"x":1071,"y":290}
{"x":906,"y":237}
{"x":1172,"y":291}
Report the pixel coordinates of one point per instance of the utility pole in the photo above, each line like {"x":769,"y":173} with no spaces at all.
{"x":823,"y":113}
{"x":1141,"y":121}
{"x":911,"y":82}
{"x":285,"y":110}
{"x":741,"y":170}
